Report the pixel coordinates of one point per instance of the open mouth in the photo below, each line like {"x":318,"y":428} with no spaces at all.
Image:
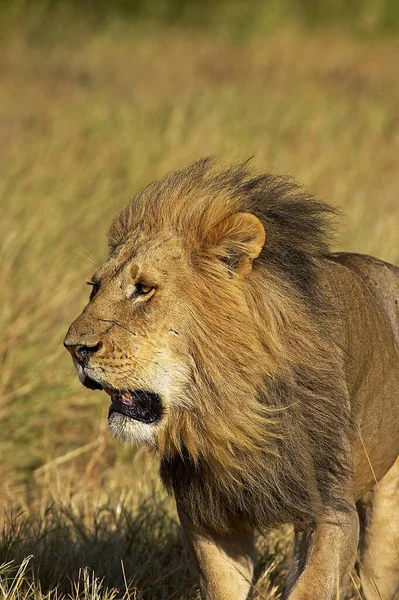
{"x":140,"y":405}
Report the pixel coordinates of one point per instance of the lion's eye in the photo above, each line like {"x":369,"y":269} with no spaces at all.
{"x":96,"y":287}
{"x":141,"y":289}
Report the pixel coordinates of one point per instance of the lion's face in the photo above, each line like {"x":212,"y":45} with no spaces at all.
{"x":161,"y":318}
{"x":130,"y":339}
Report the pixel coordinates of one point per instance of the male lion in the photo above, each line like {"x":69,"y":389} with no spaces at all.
{"x":263,"y":370}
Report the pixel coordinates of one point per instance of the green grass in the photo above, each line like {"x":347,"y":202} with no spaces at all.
{"x":238,"y":19}
{"x":84,"y":122}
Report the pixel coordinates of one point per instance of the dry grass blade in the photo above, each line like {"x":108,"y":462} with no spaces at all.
{"x":13,"y":589}
{"x":66,"y":457}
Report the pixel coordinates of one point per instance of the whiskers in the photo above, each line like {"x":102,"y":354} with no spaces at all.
{"x":89,"y":258}
{"x":137,"y":359}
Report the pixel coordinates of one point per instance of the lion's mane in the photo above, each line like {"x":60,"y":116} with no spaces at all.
{"x":261,"y":434}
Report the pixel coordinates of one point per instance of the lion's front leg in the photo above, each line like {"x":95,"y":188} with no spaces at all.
{"x":324,"y":558}
{"x":224,"y":562}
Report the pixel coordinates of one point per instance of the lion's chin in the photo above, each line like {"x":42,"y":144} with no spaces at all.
{"x":129,"y":430}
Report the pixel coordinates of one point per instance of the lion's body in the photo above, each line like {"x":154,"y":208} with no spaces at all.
{"x":275,"y":367}
{"x":370,"y":291}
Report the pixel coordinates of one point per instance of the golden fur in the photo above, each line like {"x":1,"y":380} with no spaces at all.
{"x":238,"y":432}
{"x":245,"y":338}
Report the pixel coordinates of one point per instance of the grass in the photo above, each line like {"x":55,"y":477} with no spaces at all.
{"x":240,"y":20}
{"x":84,"y":538}
{"x":84,"y":122}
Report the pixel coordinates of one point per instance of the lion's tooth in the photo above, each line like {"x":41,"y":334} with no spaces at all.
{"x":126,"y":397}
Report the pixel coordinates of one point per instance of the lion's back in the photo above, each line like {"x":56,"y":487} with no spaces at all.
{"x":381,"y":279}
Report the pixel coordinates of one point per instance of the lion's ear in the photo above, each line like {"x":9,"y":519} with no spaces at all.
{"x":239,"y":240}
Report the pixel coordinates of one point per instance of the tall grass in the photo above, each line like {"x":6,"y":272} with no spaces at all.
{"x":71,"y":537}
{"x":84,"y":122}
{"x":236,"y":18}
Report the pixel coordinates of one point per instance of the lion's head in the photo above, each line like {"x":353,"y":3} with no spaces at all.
{"x":180,"y":254}
{"x":203,"y":323}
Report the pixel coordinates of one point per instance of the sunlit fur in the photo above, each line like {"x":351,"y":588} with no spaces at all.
{"x":130,"y":431}
{"x":268,"y":405}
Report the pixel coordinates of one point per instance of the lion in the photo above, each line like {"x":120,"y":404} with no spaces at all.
{"x":262,"y":369}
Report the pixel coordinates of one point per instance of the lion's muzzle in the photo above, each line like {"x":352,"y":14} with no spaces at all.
{"x":81,"y":352}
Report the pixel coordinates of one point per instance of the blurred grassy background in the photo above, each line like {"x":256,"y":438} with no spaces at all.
{"x":97,"y":99}
{"x":238,"y":18}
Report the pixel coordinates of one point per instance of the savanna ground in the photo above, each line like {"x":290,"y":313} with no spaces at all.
{"x":87,"y":116}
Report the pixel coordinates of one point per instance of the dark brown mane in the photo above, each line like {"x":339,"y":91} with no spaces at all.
{"x":193,"y":200}
{"x":263,"y":439}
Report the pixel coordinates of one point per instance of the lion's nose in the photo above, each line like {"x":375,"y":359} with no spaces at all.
{"x":82,"y":352}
